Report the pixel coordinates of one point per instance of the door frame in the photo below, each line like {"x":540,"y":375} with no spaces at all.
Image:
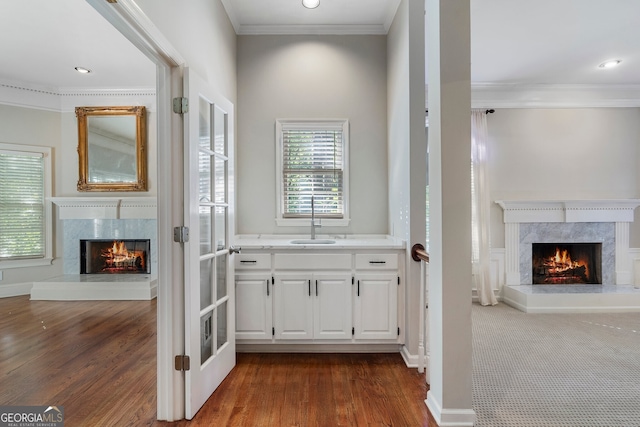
{"x":128,"y":19}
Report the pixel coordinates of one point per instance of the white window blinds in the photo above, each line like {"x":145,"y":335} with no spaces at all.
{"x":22,"y":209}
{"x":313,"y":165}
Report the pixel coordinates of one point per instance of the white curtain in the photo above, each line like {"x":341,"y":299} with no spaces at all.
{"x":480,"y":208}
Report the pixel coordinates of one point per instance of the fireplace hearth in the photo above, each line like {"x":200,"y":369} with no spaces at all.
{"x":566,"y":263}
{"x":108,"y":256}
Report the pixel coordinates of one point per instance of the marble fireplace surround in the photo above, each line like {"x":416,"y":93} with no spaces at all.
{"x":570,"y":221}
{"x":102,"y":218}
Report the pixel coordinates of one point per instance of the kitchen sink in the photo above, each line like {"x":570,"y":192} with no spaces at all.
{"x":312,"y":242}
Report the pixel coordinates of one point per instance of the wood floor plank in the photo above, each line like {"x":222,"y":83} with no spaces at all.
{"x":97,"y":359}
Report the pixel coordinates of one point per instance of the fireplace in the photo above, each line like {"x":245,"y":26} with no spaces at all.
{"x":122,"y":256}
{"x":566,"y":263}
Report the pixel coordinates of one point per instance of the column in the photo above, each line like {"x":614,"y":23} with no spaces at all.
{"x":449,"y":86}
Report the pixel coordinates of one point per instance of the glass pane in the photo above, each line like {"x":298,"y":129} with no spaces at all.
{"x":221,"y":328}
{"x":221,"y":227}
{"x":219,"y":123}
{"x":204,"y":182}
{"x":206,"y":283}
{"x":206,"y":235}
{"x":221,"y":276}
{"x":220,"y":180}
{"x":206,"y":337}
{"x":205,"y":124}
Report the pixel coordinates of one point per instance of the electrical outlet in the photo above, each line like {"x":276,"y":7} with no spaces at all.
{"x":0,"y":274}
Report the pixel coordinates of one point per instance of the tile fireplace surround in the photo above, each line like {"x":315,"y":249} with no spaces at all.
{"x":102,"y":218}
{"x":575,"y":221}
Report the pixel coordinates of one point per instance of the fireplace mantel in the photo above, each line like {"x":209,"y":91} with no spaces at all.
{"x":612,"y":210}
{"x":517,"y":213}
{"x":106,"y":207}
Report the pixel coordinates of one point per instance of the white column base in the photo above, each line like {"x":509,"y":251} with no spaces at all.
{"x":449,"y":417}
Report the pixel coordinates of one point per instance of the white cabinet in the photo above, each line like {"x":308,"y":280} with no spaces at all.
{"x":318,"y":297}
{"x":332,"y":306}
{"x":254,"y":306}
{"x":254,"y":296}
{"x":376,"y":299}
{"x":376,"y":306}
{"x":293,"y":307}
{"x":312,"y":306}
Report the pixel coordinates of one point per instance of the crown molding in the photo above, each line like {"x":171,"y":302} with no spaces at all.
{"x":495,"y":95}
{"x":372,"y":29}
{"x":20,"y":94}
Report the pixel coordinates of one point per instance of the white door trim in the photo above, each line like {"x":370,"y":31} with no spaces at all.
{"x":128,"y":18}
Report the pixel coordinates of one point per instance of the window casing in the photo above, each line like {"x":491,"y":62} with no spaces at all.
{"x":25,"y":213}
{"x":312,"y":162}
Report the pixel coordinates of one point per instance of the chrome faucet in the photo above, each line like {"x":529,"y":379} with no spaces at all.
{"x":313,"y":220}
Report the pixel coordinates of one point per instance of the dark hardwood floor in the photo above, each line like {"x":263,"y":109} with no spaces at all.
{"x":97,"y":359}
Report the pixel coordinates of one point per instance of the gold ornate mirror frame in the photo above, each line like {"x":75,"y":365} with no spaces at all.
{"x":129,"y":150}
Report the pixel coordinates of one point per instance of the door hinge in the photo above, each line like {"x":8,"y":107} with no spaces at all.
{"x":398,"y":331}
{"x":273,"y":332}
{"x":353,"y":331}
{"x":181,"y":234}
{"x":180,"y":105}
{"x":182,"y":363}
{"x":398,"y":280}
{"x":353,"y":279}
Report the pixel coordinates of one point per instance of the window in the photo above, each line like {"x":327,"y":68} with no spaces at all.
{"x":25,"y":234}
{"x":312,"y":166}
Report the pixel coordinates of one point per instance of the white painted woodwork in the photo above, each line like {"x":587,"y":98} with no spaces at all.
{"x":313,"y":297}
{"x":254,"y":309}
{"x":293,"y":307}
{"x":312,"y":261}
{"x":331,"y":294}
{"x":375,"y":306}
{"x":376,"y":261}
{"x":252,"y":261}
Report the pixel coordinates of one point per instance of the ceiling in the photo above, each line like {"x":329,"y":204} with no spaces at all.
{"x":513,"y":41}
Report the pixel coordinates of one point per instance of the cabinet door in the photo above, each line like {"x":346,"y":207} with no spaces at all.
{"x":253,"y":307}
{"x":293,"y":307}
{"x":376,"y":306}
{"x":332,"y":306}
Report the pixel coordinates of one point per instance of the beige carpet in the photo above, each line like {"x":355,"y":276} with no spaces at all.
{"x":556,"y":370}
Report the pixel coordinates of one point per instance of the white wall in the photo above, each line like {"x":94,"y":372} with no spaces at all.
{"x":546,"y":154}
{"x":24,"y":126}
{"x":203,"y":35}
{"x":407,"y":147}
{"x":311,"y":77}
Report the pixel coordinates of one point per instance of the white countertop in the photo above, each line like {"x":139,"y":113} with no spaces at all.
{"x":368,"y":241}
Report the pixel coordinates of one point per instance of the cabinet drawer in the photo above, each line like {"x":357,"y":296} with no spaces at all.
{"x":312,"y":262}
{"x":252,"y":261}
{"x":376,"y":261}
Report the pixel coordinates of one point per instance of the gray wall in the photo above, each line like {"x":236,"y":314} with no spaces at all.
{"x":18,"y":126}
{"x":547,"y":154}
{"x":311,"y":77}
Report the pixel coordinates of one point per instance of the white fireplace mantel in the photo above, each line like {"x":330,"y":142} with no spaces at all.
{"x":613,"y":210}
{"x":106,"y":207}
{"x":617,"y":211}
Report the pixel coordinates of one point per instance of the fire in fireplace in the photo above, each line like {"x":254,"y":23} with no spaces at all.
{"x":567,"y":263}
{"x":125,"y":256}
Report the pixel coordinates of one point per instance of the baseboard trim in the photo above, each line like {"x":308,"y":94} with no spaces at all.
{"x":15,"y":289}
{"x":411,"y":360}
{"x":449,"y":417}
{"x":269,"y":347}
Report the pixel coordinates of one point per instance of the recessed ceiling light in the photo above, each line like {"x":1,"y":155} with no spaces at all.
{"x":83,"y":70}
{"x":610,"y":64}
{"x":311,"y":4}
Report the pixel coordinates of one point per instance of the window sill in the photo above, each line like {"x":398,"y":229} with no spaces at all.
{"x":23,"y":263}
{"x":306,"y":222}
